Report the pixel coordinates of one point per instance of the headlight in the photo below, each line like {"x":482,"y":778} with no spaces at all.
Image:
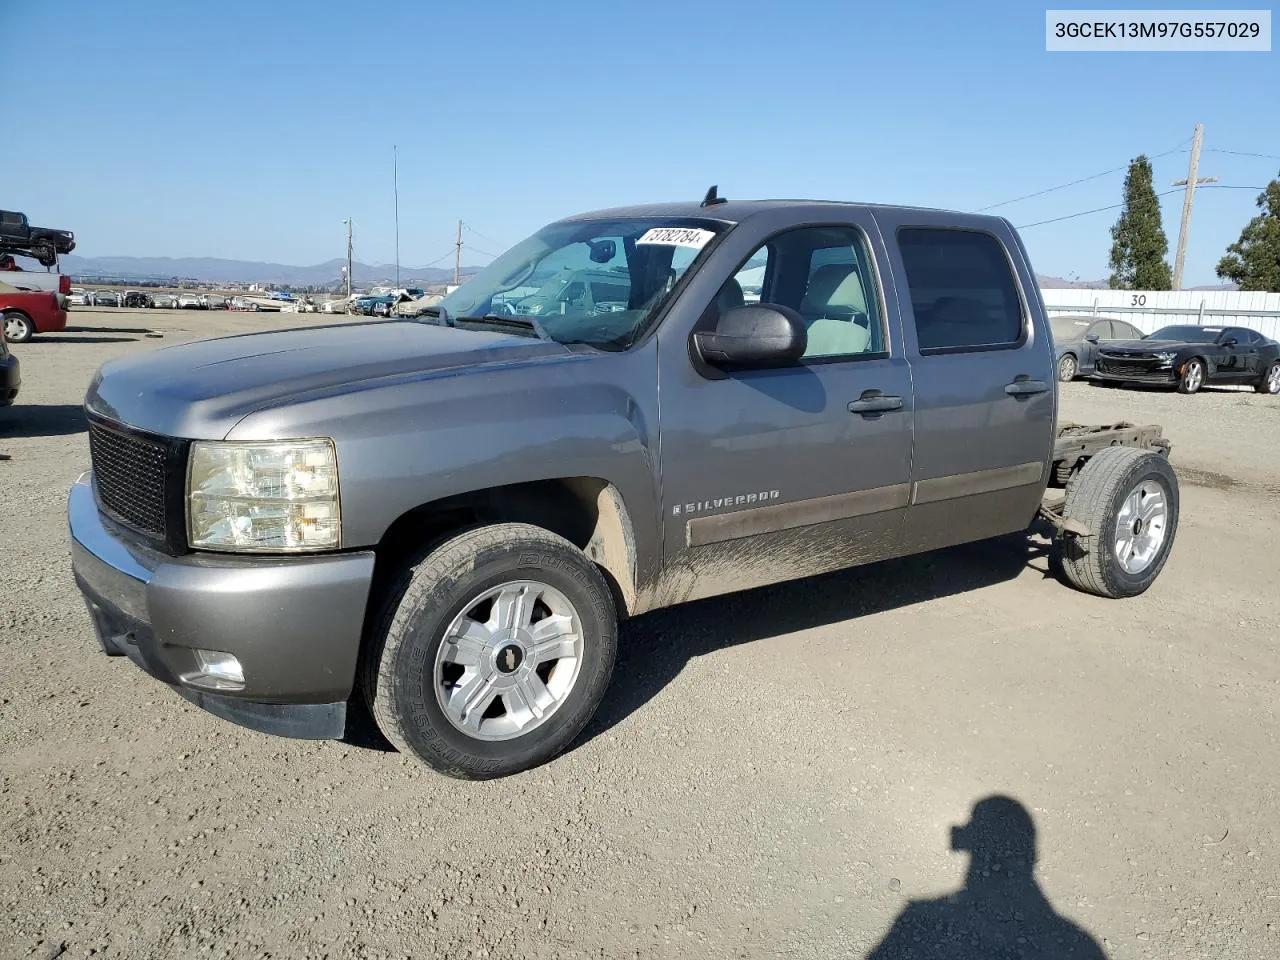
{"x":1165,"y":357}
{"x":264,"y":497}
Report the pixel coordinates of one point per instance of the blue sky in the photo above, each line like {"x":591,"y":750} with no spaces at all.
{"x":250,"y":130}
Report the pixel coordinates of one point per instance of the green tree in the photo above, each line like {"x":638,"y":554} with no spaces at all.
{"x":1138,"y":243}
{"x":1253,"y":261}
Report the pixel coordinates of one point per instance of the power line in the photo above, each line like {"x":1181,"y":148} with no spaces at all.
{"x":482,"y":236}
{"x":1063,"y":186}
{"x":1116,"y":206}
{"x":1085,"y":213}
{"x":439,"y":259}
{"x":483,"y":253}
{"x":1241,"y":153}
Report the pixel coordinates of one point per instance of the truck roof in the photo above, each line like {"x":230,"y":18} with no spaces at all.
{"x":736,"y":211}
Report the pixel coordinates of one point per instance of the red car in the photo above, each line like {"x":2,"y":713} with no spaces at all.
{"x":28,"y":312}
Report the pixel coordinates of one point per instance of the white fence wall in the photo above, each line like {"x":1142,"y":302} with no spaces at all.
{"x":1151,"y":309}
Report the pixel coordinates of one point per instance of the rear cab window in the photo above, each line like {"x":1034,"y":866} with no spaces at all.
{"x":963,"y":292}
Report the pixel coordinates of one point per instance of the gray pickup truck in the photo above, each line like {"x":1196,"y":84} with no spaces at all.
{"x":448,"y":515}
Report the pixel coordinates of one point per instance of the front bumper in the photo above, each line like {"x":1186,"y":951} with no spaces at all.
{"x":1161,"y":375}
{"x":294,"y":623}
{"x":10,"y":379}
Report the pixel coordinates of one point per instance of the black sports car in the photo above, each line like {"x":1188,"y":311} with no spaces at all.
{"x":1191,"y":356}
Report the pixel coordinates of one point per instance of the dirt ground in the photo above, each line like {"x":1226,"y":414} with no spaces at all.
{"x":773,"y":774}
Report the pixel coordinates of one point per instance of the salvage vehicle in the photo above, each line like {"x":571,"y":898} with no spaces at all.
{"x":28,"y":312}
{"x":1078,"y":338}
{"x":106,"y":298}
{"x":1189,"y":357}
{"x":10,"y":373}
{"x":136,"y":300}
{"x":17,"y":236}
{"x":449,"y":515}
{"x":190,"y":301}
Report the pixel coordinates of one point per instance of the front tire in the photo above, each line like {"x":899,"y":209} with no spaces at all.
{"x":492,"y":652}
{"x":1128,"y":498}
{"x":1192,"y":376}
{"x":1270,"y":382}
{"x":1067,"y":368}
{"x":18,"y":327}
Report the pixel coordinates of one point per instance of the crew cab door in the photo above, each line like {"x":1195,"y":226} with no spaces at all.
{"x":775,"y":473}
{"x":982,"y":363}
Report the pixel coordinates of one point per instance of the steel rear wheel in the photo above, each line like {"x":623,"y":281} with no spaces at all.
{"x":1128,"y":499}
{"x":492,"y":651}
{"x":1270,"y":382}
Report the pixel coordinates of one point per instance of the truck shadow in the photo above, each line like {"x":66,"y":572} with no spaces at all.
{"x":654,"y":648}
{"x":41,"y":420}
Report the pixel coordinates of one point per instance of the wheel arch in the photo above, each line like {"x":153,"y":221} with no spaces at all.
{"x":587,"y":511}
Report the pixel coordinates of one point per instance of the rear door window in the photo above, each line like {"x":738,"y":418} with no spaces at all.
{"x":963,"y":293}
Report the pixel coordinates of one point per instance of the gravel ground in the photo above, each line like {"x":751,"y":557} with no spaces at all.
{"x":773,"y":774}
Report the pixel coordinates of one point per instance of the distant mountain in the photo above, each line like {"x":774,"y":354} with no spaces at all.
{"x":214,"y":270}
{"x":1058,"y":283}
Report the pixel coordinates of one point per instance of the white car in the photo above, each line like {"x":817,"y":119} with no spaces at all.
{"x":77,"y":297}
{"x":189,"y":301}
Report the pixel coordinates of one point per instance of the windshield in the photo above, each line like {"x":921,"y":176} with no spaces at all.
{"x":590,"y":281}
{"x":1068,"y":328}
{"x":1187,"y":334}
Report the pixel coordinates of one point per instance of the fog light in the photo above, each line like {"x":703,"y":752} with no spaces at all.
{"x":217,"y":670}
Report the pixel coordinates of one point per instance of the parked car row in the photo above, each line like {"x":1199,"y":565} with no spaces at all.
{"x":1186,"y":356}
{"x":139,"y":300}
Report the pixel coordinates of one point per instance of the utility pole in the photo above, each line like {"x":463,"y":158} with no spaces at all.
{"x":457,"y":257}
{"x":1188,"y":199}
{"x":395,"y":178}
{"x":348,"y":223}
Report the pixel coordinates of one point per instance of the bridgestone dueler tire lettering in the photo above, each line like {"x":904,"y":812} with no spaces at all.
{"x":398,"y":671}
{"x":1094,"y":498}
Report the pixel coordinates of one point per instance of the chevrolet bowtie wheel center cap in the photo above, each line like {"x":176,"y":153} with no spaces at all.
{"x":509,"y":658}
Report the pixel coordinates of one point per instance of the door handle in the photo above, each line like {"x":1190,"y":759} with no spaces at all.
{"x":1024,"y":388}
{"x":874,"y":402}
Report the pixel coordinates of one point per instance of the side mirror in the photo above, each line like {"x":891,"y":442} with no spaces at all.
{"x":755,"y":335}
{"x":1092,"y":338}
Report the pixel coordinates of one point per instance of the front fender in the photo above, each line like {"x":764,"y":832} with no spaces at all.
{"x":420,"y":439}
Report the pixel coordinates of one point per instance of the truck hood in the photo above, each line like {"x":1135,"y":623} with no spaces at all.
{"x":202,"y":389}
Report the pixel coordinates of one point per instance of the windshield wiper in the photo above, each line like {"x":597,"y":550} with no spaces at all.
{"x":510,"y":320}
{"x":439,"y":312}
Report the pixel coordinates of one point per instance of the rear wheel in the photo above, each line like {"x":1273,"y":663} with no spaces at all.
{"x":18,"y":327}
{"x":1192,"y":376}
{"x":493,"y":651}
{"x":1067,"y":368}
{"x":1128,"y":499}
{"x":1270,"y":382}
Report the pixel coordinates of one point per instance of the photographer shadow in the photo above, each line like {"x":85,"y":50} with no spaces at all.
{"x":1000,"y":913}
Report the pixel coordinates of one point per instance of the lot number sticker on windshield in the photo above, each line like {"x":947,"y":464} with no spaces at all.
{"x":677,"y":237}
